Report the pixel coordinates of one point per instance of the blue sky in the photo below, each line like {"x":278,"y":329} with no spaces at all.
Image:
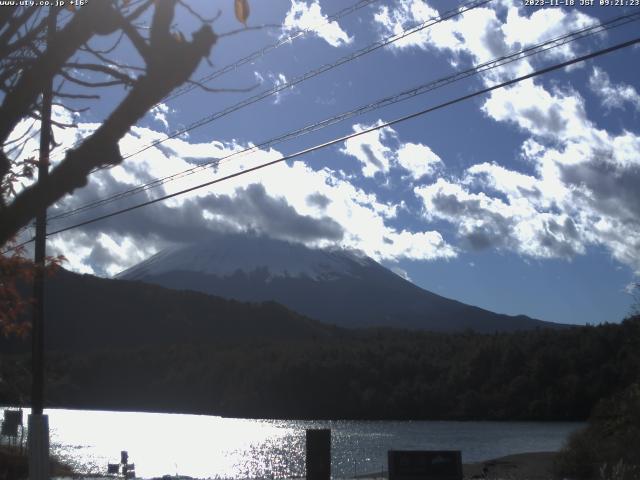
{"x":521,"y":201}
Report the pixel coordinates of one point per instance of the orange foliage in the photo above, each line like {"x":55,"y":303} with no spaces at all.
{"x":16,"y":270}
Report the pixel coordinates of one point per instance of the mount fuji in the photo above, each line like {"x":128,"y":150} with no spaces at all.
{"x":339,"y":287}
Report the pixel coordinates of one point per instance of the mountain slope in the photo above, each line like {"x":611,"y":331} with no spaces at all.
{"x":334,"y":286}
{"x":85,"y":313}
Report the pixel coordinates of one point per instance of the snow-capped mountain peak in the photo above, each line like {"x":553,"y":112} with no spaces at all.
{"x":336,"y":286}
{"x":223,"y":256}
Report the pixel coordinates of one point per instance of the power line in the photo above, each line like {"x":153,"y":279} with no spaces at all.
{"x":370,"y":48}
{"x":405,"y":95}
{"x":310,"y":74}
{"x":384,"y":102}
{"x":344,"y":138}
{"x":252,"y":57}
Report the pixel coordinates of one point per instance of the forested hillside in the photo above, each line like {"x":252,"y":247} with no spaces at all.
{"x":376,"y":374}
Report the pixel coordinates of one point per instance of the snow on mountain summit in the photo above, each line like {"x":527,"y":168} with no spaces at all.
{"x":223,"y":256}
{"x":338,"y":287}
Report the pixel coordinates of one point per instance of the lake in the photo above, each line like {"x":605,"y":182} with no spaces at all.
{"x":215,"y":447}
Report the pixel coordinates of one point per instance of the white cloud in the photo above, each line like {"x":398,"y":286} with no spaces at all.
{"x":580,"y":189}
{"x":401,"y":273}
{"x":459,"y":35}
{"x":304,"y":16}
{"x":24,"y":143}
{"x":159,"y":114}
{"x":631,"y":288}
{"x":418,"y":159}
{"x":543,"y":24}
{"x":380,"y":150}
{"x":370,"y":150}
{"x":485,"y":221}
{"x":583,"y":192}
{"x":534,"y":109}
{"x":613,"y":95}
{"x":273,"y":201}
{"x":480,"y":34}
{"x":276,"y":81}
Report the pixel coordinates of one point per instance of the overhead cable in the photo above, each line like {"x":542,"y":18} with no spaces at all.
{"x":372,"y":106}
{"x":344,"y":138}
{"x":253,"y":56}
{"x":308,"y":75}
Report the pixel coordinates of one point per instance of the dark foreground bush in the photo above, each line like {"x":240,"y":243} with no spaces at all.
{"x":609,"y":447}
{"x":14,"y":465}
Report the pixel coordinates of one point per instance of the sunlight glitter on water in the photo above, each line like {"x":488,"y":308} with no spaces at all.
{"x":232,"y":448}
{"x":202,"y":446}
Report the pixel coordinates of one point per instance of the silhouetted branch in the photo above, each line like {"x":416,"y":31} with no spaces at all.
{"x":124,"y":78}
{"x":107,"y":50}
{"x":198,"y":16}
{"x":169,"y":63}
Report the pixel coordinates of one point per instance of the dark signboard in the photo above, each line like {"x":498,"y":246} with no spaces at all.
{"x":425,"y":465}
{"x":12,"y":419}
{"x":318,"y":454}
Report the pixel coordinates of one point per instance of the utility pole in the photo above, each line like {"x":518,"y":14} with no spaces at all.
{"x":38,"y":440}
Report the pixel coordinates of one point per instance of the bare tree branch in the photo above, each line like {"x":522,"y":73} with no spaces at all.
{"x":124,"y":78}
{"x":76,"y":96}
{"x":14,"y":24}
{"x":107,"y":50}
{"x":136,"y":39}
{"x":9,"y":142}
{"x":92,"y":84}
{"x":70,"y":109}
{"x":140,"y":10}
{"x":94,"y":18}
{"x":208,"y":21}
{"x":109,"y":61}
{"x":170,"y":64}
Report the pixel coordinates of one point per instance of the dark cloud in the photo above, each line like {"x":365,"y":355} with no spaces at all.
{"x":483,"y":228}
{"x":561,"y":239}
{"x":483,"y":237}
{"x":371,"y":156}
{"x":318,"y":200}
{"x":610,"y":188}
{"x":253,"y":208}
{"x":491,"y":229}
{"x":533,"y":193}
{"x":99,"y":258}
{"x":549,"y":120}
{"x":494,"y":40}
{"x":156,"y":226}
